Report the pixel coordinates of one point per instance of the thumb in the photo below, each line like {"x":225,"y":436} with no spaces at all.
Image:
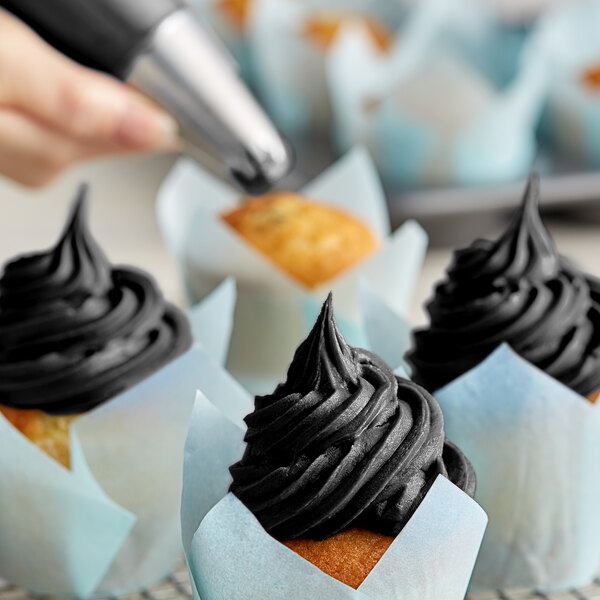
{"x":73,"y":100}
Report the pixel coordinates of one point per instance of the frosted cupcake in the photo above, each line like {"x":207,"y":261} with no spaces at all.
{"x":517,"y":290}
{"x":340,"y":456}
{"x":97,"y":381}
{"x":75,"y":332}
{"x":342,"y":464}
{"x":513,"y":350}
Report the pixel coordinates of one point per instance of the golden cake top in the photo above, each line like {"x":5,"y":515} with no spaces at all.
{"x":311,"y":242}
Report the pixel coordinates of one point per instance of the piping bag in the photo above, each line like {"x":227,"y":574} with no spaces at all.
{"x":163,"y":48}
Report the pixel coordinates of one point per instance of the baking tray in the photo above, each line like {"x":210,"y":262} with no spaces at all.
{"x":177,"y":587}
{"x":454,"y":215}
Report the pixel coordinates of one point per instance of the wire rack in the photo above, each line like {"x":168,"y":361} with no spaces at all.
{"x":590,"y":592}
{"x":177,"y":587}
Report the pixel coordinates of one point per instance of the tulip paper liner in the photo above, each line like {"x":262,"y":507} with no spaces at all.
{"x":570,"y":36}
{"x":289,"y":68}
{"x":481,"y":130}
{"x":110,"y":524}
{"x":270,"y":319}
{"x":231,"y":556}
{"x":535,"y":446}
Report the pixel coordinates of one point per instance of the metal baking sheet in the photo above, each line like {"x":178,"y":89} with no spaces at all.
{"x":455,"y":215}
{"x":561,"y":191}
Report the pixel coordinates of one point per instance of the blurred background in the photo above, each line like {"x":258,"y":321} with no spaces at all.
{"x":456,"y":101}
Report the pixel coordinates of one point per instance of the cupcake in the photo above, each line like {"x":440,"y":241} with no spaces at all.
{"x":286,"y":251}
{"x":290,"y":42}
{"x":491,"y":77}
{"x":511,"y":352}
{"x":311,"y":242}
{"x":323,"y":29}
{"x":340,"y":456}
{"x":75,"y":332}
{"x":339,"y":462}
{"x":516,"y":290}
{"x":97,"y":374}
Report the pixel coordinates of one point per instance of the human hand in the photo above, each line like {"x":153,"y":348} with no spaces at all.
{"x":54,"y":112}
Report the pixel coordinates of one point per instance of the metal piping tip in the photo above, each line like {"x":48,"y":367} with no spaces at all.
{"x":266,"y":173}
{"x":187,"y":72}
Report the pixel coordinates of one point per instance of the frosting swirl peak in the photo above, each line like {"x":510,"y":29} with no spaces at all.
{"x":517,"y":290}
{"x":75,"y":331}
{"x":342,"y":443}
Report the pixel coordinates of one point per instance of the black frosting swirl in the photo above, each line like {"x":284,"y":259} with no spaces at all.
{"x":342,"y":443}
{"x":517,"y":290}
{"x":74,"y":331}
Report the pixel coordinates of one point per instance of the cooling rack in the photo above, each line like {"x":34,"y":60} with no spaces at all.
{"x":177,"y":587}
{"x":590,"y":592}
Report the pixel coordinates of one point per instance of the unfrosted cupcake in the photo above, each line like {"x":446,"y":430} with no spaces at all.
{"x":311,"y":242}
{"x":75,"y":331}
{"x":321,"y":27}
{"x":324,"y":27}
{"x":339,"y":457}
{"x":517,"y":290}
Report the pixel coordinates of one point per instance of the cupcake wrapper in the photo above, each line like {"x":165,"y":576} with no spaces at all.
{"x":535,"y":446}
{"x":271,"y":310}
{"x":570,"y":37}
{"x":387,"y":333}
{"x":231,"y":556}
{"x":498,"y":143}
{"x":212,"y":320}
{"x":110,"y":524}
{"x":289,"y":69}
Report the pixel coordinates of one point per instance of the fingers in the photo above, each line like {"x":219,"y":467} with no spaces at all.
{"x":33,"y":155}
{"x":75,"y":101}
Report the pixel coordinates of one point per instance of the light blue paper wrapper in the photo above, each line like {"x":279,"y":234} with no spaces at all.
{"x":457,"y":102}
{"x":535,"y":446}
{"x":110,"y":524}
{"x":387,"y":332}
{"x":289,"y":68}
{"x":271,"y":311}
{"x":572,"y":121}
{"x":231,"y":556}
